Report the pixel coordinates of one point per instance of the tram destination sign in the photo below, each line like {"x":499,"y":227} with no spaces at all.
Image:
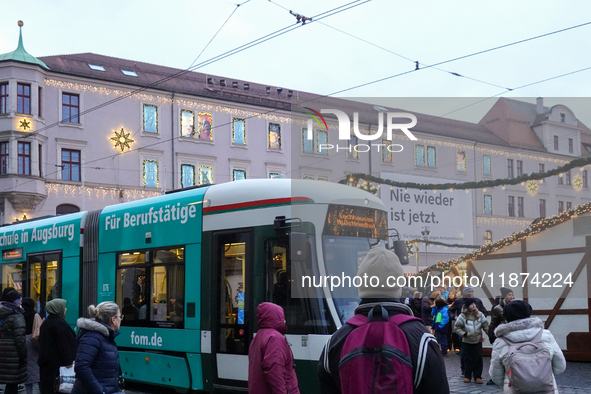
{"x":349,"y":221}
{"x":12,"y":254}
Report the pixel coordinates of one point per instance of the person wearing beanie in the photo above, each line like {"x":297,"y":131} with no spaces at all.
{"x":440,"y":323}
{"x":6,"y":291}
{"x":33,"y":323}
{"x":497,"y":316}
{"x":13,"y":346}
{"x":57,"y":345}
{"x":424,"y":349}
{"x":427,"y":303}
{"x":469,"y":326}
{"x":521,"y":327}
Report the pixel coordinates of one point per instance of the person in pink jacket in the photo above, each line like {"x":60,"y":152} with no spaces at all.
{"x":270,"y":361}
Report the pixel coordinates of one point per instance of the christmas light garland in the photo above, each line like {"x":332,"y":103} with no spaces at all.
{"x":534,"y":228}
{"x":356,"y":179}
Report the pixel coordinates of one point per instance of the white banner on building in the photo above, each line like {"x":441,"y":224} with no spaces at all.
{"x":448,"y":215}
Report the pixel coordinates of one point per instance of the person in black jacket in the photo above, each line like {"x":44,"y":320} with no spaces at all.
{"x":428,"y":368}
{"x":97,"y":362}
{"x":57,"y":345}
{"x":13,"y":346}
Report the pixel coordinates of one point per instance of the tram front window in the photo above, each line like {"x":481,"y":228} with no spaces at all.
{"x":342,"y":256}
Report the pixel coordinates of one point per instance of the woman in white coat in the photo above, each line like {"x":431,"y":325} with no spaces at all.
{"x":520,"y":327}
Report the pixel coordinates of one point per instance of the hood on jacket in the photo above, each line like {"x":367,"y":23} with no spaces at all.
{"x":520,"y":330}
{"x":8,"y":308}
{"x":93,"y":325}
{"x":270,"y":315}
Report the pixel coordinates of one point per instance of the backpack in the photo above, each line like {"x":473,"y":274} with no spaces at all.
{"x":376,"y":356}
{"x":530,"y":366}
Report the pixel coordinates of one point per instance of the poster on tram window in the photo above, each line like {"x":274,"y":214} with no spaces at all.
{"x":449,"y":215}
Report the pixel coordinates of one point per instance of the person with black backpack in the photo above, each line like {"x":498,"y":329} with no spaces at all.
{"x":525,"y":356}
{"x":383,"y":345}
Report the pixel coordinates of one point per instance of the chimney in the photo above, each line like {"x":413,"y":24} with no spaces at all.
{"x":539,"y":105}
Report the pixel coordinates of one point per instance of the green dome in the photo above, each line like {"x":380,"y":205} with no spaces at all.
{"x":20,"y":55}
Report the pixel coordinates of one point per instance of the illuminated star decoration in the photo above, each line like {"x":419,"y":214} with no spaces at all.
{"x":122,"y":140}
{"x":532,"y":187}
{"x":24,"y":124}
{"x":578,"y":183}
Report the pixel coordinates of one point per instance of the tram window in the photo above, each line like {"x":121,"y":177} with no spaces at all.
{"x":12,"y":276}
{"x":232,"y":297}
{"x":308,"y":314}
{"x":151,"y":288}
{"x":44,"y":278}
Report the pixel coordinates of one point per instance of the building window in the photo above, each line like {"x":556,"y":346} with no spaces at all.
{"x":519,"y":168}
{"x":150,"y":288}
{"x":461,"y":161}
{"x":520,"y":208}
{"x":23,"y":99}
{"x":542,"y":204}
{"x":39,"y":94}
{"x":307,"y":141}
{"x":562,"y":117}
{"x":561,"y":179}
{"x":585,"y":184}
{"x":570,"y":145}
{"x":205,"y":126}
{"x":510,"y":205}
{"x":3,"y":158}
{"x":150,"y":118}
{"x":70,"y":108}
{"x":274,"y":136}
{"x":205,"y":175}
{"x":431,"y":157}
{"x":419,"y":155}
{"x":386,"y":154}
{"x":555,"y":142}
{"x":64,"y":209}
{"x":4,"y":98}
{"x":24,"y":158}
{"x":71,"y":165}
{"x":238,"y":174}
{"x":567,"y":177}
{"x":187,"y":123}
{"x":560,"y":206}
{"x":322,"y":142}
{"x":238,"y":131}
{"x":187,"y":175}
{"x":569,"y":205}
{"x":352,"y":147}
{"x":541,"y":167}
{"x":40,"y":161}
{"x":488,"y":205}
{"x":274,"y":175}
{"x":150,"y":173}
{"x":486,"y":165}
{"x":488,"y":237}
{"x":509,"y":168}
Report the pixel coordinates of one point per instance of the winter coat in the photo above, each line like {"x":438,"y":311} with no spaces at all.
{"x":97,"y":362}
{"x":57,"y":345}
{"x":426,"y":304}
{"x":270,"y":361}
{"x":521,"y":331}
{"x":415,"y":306}
{"x":428,"y":368}
{"x":496,"y":319}
{"x":440,"y":318}
{"x":13,"y":346}
{"x":469,"y":326}
{"x":32,"y":358}
{"x":456,"y":308}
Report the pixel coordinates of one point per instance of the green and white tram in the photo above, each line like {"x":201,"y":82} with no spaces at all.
{"x":189,"y":269}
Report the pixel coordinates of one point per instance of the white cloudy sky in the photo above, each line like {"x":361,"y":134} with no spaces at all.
{"x":319,"y":59}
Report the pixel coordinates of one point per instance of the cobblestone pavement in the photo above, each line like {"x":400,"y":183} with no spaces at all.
{"x":575,"y":380}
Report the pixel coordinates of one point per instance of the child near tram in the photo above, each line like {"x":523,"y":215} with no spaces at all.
{"x":423,"y":369}
{"x":270,"y":361}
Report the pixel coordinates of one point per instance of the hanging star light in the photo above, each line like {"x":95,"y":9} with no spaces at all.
{"x":24,"y":124}
{"x":532,"y":187}
{"x":578,"y":183}
{"x":122,"y":140}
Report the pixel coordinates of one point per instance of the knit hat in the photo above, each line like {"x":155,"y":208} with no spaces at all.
{"x":467,"y":289}
{"x":505,"y":291}
{"x":13,"y":297}
{"x":381,"y":263}
{"x":57,"y":306}
{"x":516,"y":310}
{"x":469,"y":301}
{"x":6,"y":291}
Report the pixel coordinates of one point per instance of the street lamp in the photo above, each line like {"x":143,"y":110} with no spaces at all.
{"x":425,"y":233}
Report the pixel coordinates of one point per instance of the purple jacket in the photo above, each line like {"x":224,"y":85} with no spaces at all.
{"x":270,"y":361}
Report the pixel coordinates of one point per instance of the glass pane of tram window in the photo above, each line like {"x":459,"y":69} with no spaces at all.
{"x":168,"y":287}
{"x":131,"y":293}
{"x":52,"y":285}
{"x":35,"y":281}
{"x":232,"y":298}
{"x":12,"y":276}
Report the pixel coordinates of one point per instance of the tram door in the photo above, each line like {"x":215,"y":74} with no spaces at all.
{"x":43,"y":282}
{"x":234,"y":311}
